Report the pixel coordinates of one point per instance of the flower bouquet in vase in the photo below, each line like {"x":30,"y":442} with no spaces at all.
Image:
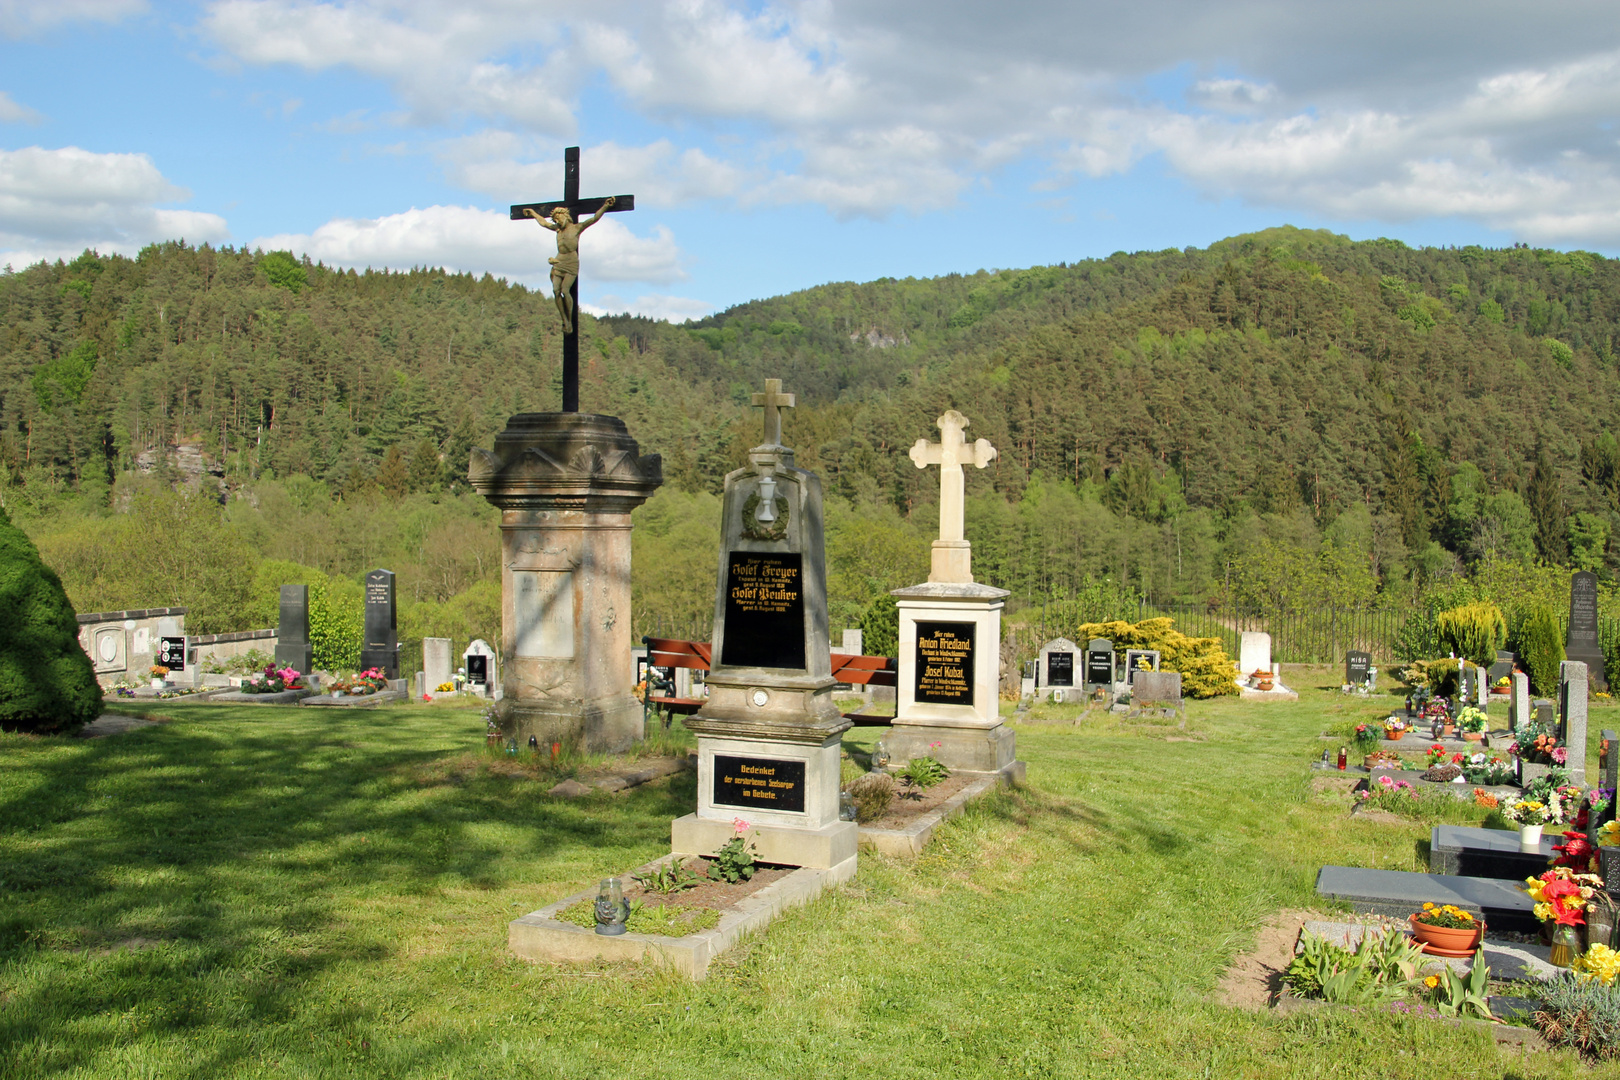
{"x":1531,"y":816}
{"x":1561,"y":897}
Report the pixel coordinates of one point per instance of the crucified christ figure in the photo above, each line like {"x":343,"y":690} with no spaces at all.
{"x":565,"y":267}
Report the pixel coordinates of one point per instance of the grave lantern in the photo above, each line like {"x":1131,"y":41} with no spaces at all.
{"x":611,"y":908}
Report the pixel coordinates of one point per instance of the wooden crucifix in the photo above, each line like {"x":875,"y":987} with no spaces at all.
{"x":563,"y":218}
{"x":773,"y":401}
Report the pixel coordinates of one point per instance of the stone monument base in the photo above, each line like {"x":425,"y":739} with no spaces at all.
{"x":960,"y":749}
{"x":829,"y":846}
{"x":301,"y":658}
{"x":607,"y":726}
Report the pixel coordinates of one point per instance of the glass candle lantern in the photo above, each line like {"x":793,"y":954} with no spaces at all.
{"x":611,"y":908}
{"x":846,"y":806}
{"x":880,"y":756}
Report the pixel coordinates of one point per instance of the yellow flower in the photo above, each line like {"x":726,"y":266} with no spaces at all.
{"x":1432,"y":981}
{"x":1599,"y":963}
{"x":1427,"y":906}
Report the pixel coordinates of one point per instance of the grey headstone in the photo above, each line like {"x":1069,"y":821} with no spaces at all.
{"x":293,"y":648}
{"x":1519,"y":702}
{"x":1582,"y":643}
{"x":1572,"y":700}
{"x":435,"y":662}
{"x":380,"y":646}
{"x":1159,"y":687}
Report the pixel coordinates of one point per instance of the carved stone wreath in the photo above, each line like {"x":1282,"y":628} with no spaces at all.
{"x":755,"y":529}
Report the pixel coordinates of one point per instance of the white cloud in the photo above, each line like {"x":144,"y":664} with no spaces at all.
{"x":464,"y":238}
{"x":13,"y":113}
{"x":652,"y":305}
{"x":24,"y":18}
{"x":55,"y":203}
{"x":899,"y":105}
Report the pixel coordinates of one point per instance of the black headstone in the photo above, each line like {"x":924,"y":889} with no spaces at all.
{"x":1060,"y":669}
{"x":381,"y":643}
{"x":759,"y":783}
{"x":478,"y":670}
{"x":292,"y":630}
{"x":1356,"y":667}
{"x":1099,"y":662}
{"x":172,"y":653}
{"x":1582,"y":643}
{"x":944,"y":663}
{"x":1503,"y":666}
{"x":764,"y":610}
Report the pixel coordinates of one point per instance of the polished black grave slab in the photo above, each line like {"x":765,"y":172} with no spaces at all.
{"x":1486,"y":853}
{"x":1399,"y":893}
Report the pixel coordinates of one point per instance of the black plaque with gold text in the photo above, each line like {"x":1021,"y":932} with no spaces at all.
{"x":759,"y":783}
{"x":945,"y":663}
{"x":764,"y":610}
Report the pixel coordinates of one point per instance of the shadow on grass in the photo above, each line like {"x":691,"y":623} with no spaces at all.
{"x":140,"y":870}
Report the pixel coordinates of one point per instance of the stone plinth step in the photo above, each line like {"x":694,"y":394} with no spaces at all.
{"x":1398,"y":893}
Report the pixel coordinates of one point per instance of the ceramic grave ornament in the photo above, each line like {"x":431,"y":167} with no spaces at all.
{"x":768,"y":736}
{"x":950,"y":633}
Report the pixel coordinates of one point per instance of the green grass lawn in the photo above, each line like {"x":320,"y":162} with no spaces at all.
{"x":261,"y":891}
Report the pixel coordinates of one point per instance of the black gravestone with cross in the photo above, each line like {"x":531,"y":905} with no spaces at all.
{"x":577,"y":208}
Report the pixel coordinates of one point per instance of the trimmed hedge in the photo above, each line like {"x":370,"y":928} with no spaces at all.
{"x":47,"y":684}
{"x":1206,"y":670}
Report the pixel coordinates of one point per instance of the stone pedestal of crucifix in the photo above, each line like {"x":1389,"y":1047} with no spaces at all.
{"x":950,"y":634}
{"x":769,"y":735}
{"x":565,"y":483}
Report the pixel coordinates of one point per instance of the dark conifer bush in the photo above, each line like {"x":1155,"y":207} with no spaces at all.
{"x":47,"y":685}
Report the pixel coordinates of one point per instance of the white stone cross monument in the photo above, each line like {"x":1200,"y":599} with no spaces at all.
{"x":950,"y":634}
{"x":773,"y":401}
{"x":952,"y":560}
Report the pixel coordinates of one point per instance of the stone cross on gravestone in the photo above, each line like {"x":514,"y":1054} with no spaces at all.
{"x":951,"y":555}
{"x":773,"y":401}
{"x":565,"y":267}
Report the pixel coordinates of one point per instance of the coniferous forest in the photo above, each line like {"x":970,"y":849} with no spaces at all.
{"x":1282,"y":422}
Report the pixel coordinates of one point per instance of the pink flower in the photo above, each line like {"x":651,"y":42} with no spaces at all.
{"x":1560,"y":756}
{"x":739,"y":826}
{"x":1386,"y":781}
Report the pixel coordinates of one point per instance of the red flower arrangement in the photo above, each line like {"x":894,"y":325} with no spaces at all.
{"x":1577,"y":853}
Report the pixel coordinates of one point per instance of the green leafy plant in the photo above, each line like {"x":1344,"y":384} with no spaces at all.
{"x":1583,"y":1014}
{"x":734,"y":861}
{"x":47,"y":685}
{"x":673,"y":877}
{"x":1457,"y":995}
{"x":1377,"y":970}
{"x":1365,"y":737}
{"x":923,"y":772}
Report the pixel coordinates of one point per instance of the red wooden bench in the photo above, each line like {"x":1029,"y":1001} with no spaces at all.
{"x":672,"y":652}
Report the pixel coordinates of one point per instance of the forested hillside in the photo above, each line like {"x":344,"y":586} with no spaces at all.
{"x":1261,"y":422}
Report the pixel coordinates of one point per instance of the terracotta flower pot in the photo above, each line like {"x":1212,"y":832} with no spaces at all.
{"x":1473,"y":736}
{"x":1448,"y":730}
{"x":1445,"y":937}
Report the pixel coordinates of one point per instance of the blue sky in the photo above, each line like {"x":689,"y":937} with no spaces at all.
{"x":773,"y":147}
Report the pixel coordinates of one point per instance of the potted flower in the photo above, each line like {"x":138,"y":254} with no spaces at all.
{"x":1530,"y":815}
{"x":1394,"y":728}
{"x":1502,"y":686}
{"x":1446,"y":929}
{"x":1261,"y":679}
{"x":1471,"y":722}
{"x":160,"y":675}
{"x":1365,"y":738}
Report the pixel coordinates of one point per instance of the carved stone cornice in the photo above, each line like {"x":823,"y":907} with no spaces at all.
{"x":579,"y":461}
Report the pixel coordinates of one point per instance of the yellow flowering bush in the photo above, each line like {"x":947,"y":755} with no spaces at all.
{"x":1597,"y":964}
{"x":1609,"y":834}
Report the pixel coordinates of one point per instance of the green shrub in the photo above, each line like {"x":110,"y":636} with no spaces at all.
{"x":872,"y":792}
{"x":1473,"y":631}
{"x":1584,"y":1015}
{"x":1542,"y":645}
{"x":47,"y":684}
{"x":1206,"y":670}
{"x":923,"y":772}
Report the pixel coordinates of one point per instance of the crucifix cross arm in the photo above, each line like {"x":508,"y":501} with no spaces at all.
{"x":773,"y":401}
